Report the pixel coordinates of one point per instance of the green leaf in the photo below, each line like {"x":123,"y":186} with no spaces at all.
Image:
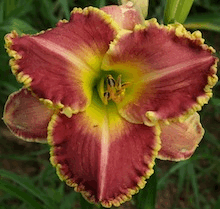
{"x":21,"y":9}
{"x":47,"y":11}
{"x":181,"y":180}
{"x":217,"y":204}
{"x":177,"y":10}
{"x":17,"y":192}
{"x":29,"y":186}
{"x":68,"y":200}
{"x":215,"y":101}
{"x":171,"y":171}
{"x":10,"y":5}
{"x":192,"y":175}
{"x":147,"y":196}
{"x":212,"y":139}
{"x":1,"y":11}
{"x":84,"y":204}
{"x":65,"y":6}
{"x":19,"y":25}
{"x":207,"y":21}
{"x":101,"y":3}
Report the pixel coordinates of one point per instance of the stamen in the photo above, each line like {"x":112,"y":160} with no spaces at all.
{"x":115,"y":90}
{"x":106,"y":97}
{"x":110,"y":81}
{"x":125,"y":85}
{"x":118,"y":86}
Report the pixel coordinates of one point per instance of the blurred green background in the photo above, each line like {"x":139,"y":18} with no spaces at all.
{"x":27,"y":179}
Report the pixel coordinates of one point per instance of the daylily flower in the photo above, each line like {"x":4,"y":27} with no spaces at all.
{"x":110,"y":94}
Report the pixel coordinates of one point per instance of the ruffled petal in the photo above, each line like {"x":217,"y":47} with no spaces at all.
{"x":179,"y":140}
{"x":170,"y":70}
{"x":62,"y":64}
{"x":126,"y":15}
{"x":102,"y":155}
{"x":26,"y":117}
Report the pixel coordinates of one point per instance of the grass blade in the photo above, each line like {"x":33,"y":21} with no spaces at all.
{"x":84,"y":204}
{"x":1,"y":11}
{"x":182,"y":177}
{"x":29,"y":186}
{"x":192,"y":175}
{"x":19,"y":25}
{"x":177,"y":10}
{"x":65,"y":6}
{"x":217,"y":204}
{"x":10,"y":5}
{"x":146,"y":198}
{"x":207,"y":21}
{"x":101,"y":3}
{"x":171,"y":171}
{"x":16,"y":192}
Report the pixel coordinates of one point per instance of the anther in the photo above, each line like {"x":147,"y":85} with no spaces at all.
{"x":107,"y":95}
{"x":115,"y":89}
{"x":110,"y":81}
{"x":125,"y":85}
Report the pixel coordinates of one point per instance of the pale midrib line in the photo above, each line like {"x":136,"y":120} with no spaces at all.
{"x":152,"y":76}
{"x":64,"y":53}
{"x":104,"y":155}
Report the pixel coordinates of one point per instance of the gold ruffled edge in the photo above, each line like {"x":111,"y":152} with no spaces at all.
{"x":119,"y":199}
{"x":27,"y":80}
{"x":197,"y":125}
{"x":180,"y":31}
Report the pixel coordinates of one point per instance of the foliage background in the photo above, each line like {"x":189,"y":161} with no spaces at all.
{"x":27,"y":179}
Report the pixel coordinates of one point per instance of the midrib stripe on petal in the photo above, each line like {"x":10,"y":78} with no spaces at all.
{"x":104,"y":155}
{"x":64,"y":53}
{"x":152,"y":76}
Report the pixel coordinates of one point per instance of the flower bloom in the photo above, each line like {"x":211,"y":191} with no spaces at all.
{"x":110,"y":93}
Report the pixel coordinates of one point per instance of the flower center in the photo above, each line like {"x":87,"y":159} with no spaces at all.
{"x":111,"y":89}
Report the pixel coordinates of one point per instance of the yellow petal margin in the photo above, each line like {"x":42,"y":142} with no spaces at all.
{"x":171,"y":72}
{"x":102,"y":155}
{"x":180,"y":140}
{"x":27,"y":117}
{"x":61,"y":65}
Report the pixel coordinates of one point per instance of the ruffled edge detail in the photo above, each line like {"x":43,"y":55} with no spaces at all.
{"x":38,"y":140}
{"x":121,"y":198}
{"x":160,"y":157}
{"x":26,"y":79}
{"x":180,"y":31}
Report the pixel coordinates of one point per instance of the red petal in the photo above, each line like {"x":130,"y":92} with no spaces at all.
{"x":171,"y":70}
{"x":101,"y":154}
{"x":26,"y":117}
{"x":62,"y":64}
{"x":179,"y":140}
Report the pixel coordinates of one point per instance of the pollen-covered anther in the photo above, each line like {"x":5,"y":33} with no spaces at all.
{"x":115,"y":89}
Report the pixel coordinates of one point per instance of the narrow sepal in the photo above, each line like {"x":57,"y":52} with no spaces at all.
{"x":180,"y":140}
{"x":26,"y":117}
